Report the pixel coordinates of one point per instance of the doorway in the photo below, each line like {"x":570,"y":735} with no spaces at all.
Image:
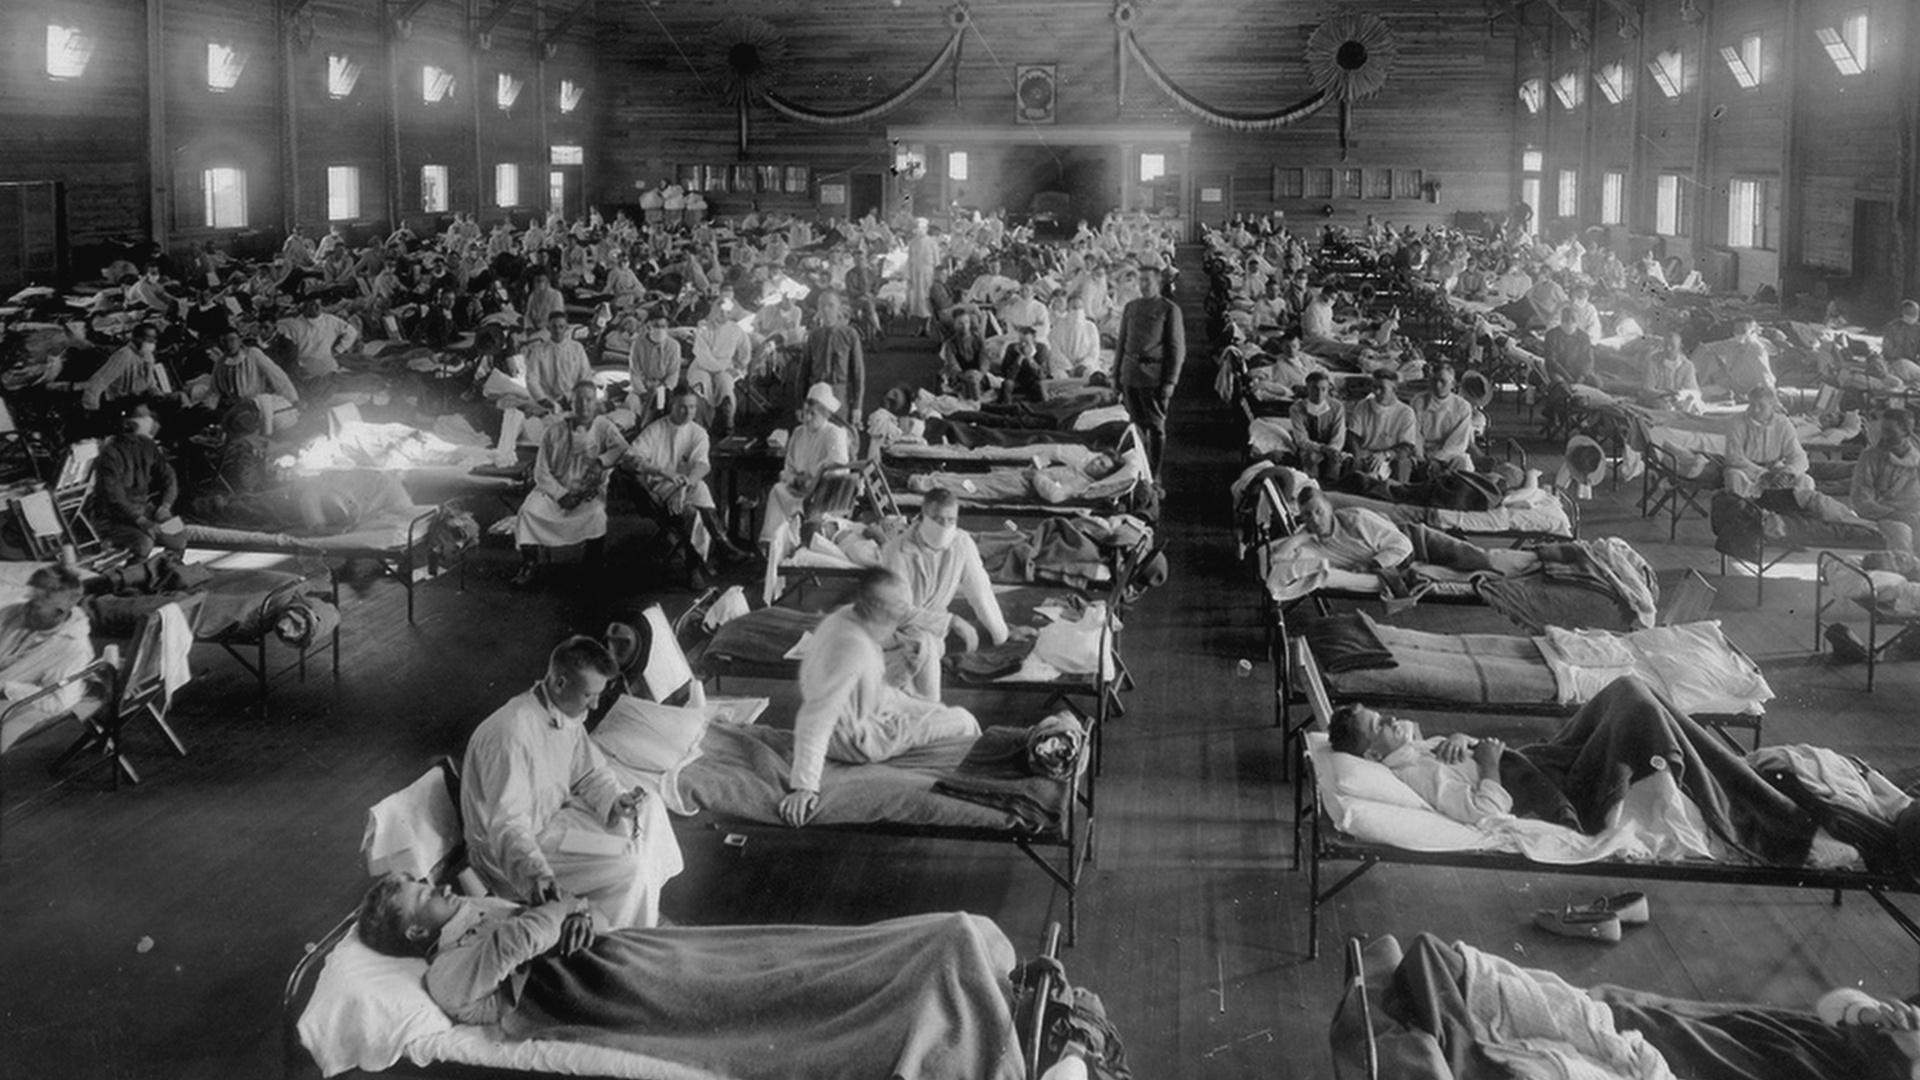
{"x":31,"y":217}
{"x":1873,"y":273}
{"x":865,"y":194}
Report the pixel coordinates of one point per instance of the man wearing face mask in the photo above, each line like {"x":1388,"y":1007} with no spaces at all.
{"x":1763,"y":449}
{"x":653,"y":366}
{"x":132,"y":373}
{"x":1075,"y":341}
{"x":816,"y":445}
{"x":721,"y":355}
{"x":1737,"y":364}
{"x":848,"y":710}
{"x":134,"y":490}
{"x":545,"y":816}
{"x":43,"y":641}
{"x":670,"y":456}
{"x":318,"y":339}
{"x":939,"y":561}
{"x":1886,"y":481}
{"x":568,"y":503}
{"x":1900,"y":342}
{"x":150,"y":293}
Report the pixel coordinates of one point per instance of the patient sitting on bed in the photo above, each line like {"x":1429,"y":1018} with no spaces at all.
{"x":1581,"y":774}
{"x":924,"y":996}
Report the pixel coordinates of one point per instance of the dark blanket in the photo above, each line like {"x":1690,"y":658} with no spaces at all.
{"x":1449,"y":490}
{"x":921,"y":998}
{"x":1344,"y":642}
{"x":1743,"y":527}
{"x":1700,"y":1040}
{"x":1021,"y":770}
{"x":1625,"y":733}
{"x":1061,"y":550}
{"x":945,"y":431}
{"x":765,"y":636}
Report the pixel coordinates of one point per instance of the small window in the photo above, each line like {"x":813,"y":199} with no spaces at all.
{"x":1569,"y":90}
{"x":1379,"y":183}
{"x":225,"y":63}
{"x":506,"y":90}
{"x":742,"y":178}
{"x":343,"y":74}
{"x":957,"y":165}
{"x":1747,"y":214}
{"x":225,"y":189}
{"x":566,"y":155}
{"x":1352,"y":184}
{"x":798,"y":178}
{"x":1530,"y":194}
{"x":68,"y":52}
{"x":506,"y":184}
{"x":1744,"y":61}
{"x":1612,"y":81}
{"x":1319,"y":183}
{"x":1846,"y":44}
{"x":343,"y":192}
{"x":1532,"y":95}
{"x":1532,"y":161}
{"x":1152,"y":167}
{"x":556,"y":190}
{"x":1668,"y":206}
{"x":570,"y":94}
{"x":767,"y":177}
{"x":1669,"y":73}
{"x":436,"y":84}
{"x":433,"y":189}
{"x":1289,"y":183}
{"x":1569,"y":202}
{"x":1408,"y":183}
{"x":715,"y":179}
{"x":688,"y":177}
{"x":1613,"y":198}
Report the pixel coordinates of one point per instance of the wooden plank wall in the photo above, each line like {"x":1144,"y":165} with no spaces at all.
{"x":666,"y":109}
{"x":1846,"y":143}
{"x":279,"y":123}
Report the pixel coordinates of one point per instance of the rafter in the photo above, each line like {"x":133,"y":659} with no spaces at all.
{"x":1582,"y":34}
{"x":408,"y":9}
{"x":501,"y":9}
{"x":1630,"y":16}
{"x":551,"y":38}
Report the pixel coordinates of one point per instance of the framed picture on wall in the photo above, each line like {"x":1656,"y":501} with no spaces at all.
{"x":1034,"y":94}
{"x":833,"y":194}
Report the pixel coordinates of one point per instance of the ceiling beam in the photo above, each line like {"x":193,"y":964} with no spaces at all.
{"x":1582,"y":34}
{"x":501,"y":9}
{"x":407,"y":10}
{"x":1630,"y":16}
{"x":551,"y":39}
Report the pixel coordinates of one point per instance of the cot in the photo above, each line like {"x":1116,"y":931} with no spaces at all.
{"x":1759,"y":534}
{"x":1886,"y":596}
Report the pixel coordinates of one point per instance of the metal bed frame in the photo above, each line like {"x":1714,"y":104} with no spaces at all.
{"x":404,"y":564}
{"x":1877,"y":616}
{"x":1328,"y":844}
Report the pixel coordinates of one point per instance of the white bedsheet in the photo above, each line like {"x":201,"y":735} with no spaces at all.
{"x":1693,"y":664}
{"x":469,"y":1044}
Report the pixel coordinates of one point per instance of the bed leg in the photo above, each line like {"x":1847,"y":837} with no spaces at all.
{"x":1838,"y":896}
{"x":1313,"y":893}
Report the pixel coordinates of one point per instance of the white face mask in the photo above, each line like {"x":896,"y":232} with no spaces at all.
{"x":657,"y":335}
{"x":937,"y":536}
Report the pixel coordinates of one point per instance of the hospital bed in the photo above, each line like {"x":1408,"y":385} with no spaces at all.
{"x":1741,"y":535}
{"x":1343,"y":821}
{"x":345,"y":1006}
{"x":1890,"y":599}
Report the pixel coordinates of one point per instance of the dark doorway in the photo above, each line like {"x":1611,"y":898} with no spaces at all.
{"x":866,"y":193}
{"x":1087,"y":175}
{"x":1874,"y":282}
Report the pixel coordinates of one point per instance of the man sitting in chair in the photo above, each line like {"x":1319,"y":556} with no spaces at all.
{"x":568,"y":503}
{"x":43,"y":641}
{"x":1763,"y":450}
{"x":1886,"y":481}
{"x":135,"y":488}
{"x":938,"y":561}
{"x":848,"y":710}
{"x":545,"y":816}
{"x":1383,"y":432}
{"x":670,"y":455}
{"x":816,"y":445}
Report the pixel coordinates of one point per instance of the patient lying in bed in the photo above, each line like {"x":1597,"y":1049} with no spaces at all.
{"x":1100,"y":476}
{"x":923,"y":998}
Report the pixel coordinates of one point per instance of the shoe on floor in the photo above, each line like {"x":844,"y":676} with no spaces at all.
{"x":1846,"y":646}
{"x":524,"y":578}
{"x":1630,"y":908}
{"x":1582,"y":923}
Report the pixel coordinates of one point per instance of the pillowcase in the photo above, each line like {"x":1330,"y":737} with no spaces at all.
{"x":1359,"y":778}
{"x":366,"y":1007}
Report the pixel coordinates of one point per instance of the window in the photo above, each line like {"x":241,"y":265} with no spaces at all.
{"x":566,"y":155}
{"x":343,"y":192}
{"x":1408,"y":183}
{"x":570,"y":94}
{"x":1569,"y":90}
{"x":1613,"y":198}
{"x":224,"y":65}
{"x":506,"y":90}
{"x":1744,"y":61}
{"x":436,"y":84}
{"x":957,"y":165}
{"x":556,"y":190}
{"x":1747,"y":214}
{"x":1847,"y":45}
{"x":1532,"y":95}
{"x":1289,"y":183}
{"x":1319,"y":183}
{"x":68,"y":52}
{"x":1668,"y":73}
{"x":225,"y":189}
{"x":1351,"y":184}
{"x":1380,"y":184}
{"x":343,"y":74}
{"x":1612,"y":81}
{"x":506,"y":184}
{"x":433,"y":189}
{"x":1668,"y":206}
{"x":1530,"y":194}
{"x":1532,"y":161}
{"x":1569,"y":202}
{"x":1152,"y":167}
{"x":798,"y":178}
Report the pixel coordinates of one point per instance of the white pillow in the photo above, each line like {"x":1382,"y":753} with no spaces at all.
{"x":366,"y":1007}
{"x":1358,"y":778}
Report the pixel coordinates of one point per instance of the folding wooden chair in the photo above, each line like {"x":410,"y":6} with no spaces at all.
{"x":129,"y":692}
{"x":1665,"y":488}
{"x":17,"y":444}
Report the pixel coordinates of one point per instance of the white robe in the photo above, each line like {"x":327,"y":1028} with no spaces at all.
{"x":566,"y":453}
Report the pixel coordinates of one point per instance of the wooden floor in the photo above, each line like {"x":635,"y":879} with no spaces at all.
{"x":145,"y":932}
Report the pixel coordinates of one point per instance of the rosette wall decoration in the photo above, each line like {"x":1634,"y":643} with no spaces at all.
{"x":1349,"y":57}
{"x":747,"y":57}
